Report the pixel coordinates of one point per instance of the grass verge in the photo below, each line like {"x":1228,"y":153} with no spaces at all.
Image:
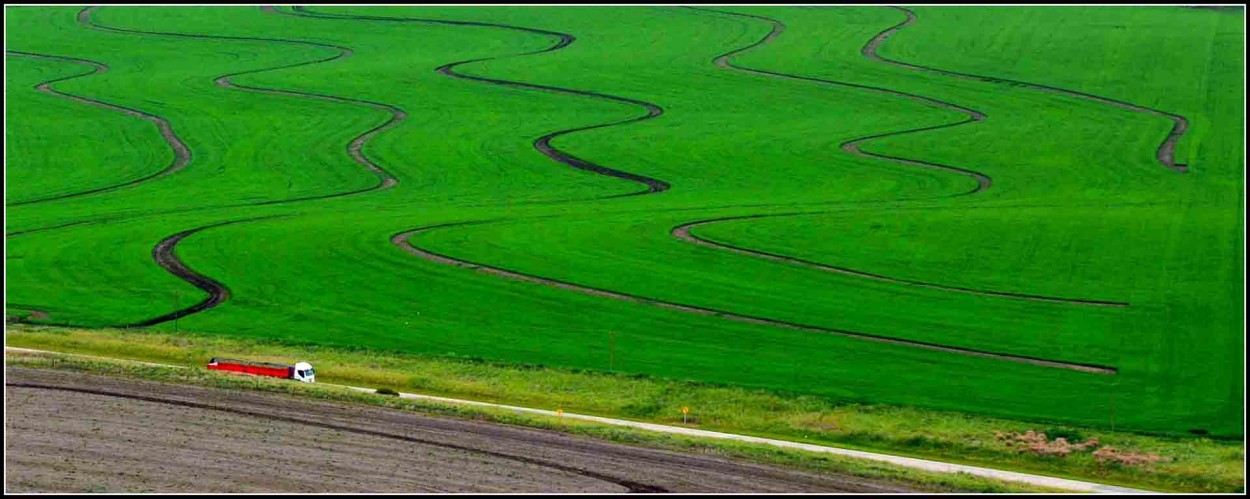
{"x":1196,"y":464}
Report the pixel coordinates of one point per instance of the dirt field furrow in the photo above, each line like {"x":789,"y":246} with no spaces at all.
{"x":71,"y":432}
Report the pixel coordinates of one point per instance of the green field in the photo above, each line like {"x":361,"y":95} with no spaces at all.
{"x":991,"y":210}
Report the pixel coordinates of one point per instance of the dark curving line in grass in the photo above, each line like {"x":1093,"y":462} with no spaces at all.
{"x":402,"y":241}
{"x":852,"y":146}
{"x":684,"y":233}
{"x":1165,"y":153}
{"x":354,"y":148}
{"x":869,"y":50}
{"x":163,"y":252}
{"x":52,"y":227}
{"x":182,"y":153}
{"x":398,"y":115}
{"x":164,"y":255}
{"x":542,"y":144}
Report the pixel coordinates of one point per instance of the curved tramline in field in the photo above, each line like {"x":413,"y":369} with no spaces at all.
{"x":402,"y":240}
{"x":49,"y":228}
{"x":354,"y":148}
{"x":1165,"y":153}
{"x":982,"y":182}
{"x":182,"y":154}
{"x":852,"y":146}
{"x":164,"y":256}
{"x":218,"y":293}
{"x":542,"y":144}
{"x":870,"y":50}
{"x":685,"y":233}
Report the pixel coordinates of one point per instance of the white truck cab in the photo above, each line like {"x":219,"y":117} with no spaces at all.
{"x":304,"y":372}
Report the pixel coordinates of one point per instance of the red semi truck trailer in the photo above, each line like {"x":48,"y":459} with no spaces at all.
{"x":301,"y":371}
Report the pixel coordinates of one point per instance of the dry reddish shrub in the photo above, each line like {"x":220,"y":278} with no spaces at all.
{"x":1088,"y":444}
{"x":1111,"y":454}
{"x":1038,"y":443}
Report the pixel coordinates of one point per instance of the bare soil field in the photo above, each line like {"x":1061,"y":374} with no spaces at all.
{"x":68,"y":432}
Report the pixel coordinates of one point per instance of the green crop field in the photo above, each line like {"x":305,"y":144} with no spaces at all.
{"x":1033,"y":213}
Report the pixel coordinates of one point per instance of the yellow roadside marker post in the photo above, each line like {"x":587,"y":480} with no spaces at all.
{"x":684,"y":411}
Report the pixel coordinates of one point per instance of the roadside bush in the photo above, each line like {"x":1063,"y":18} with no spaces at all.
{"x":1066,"y":434}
